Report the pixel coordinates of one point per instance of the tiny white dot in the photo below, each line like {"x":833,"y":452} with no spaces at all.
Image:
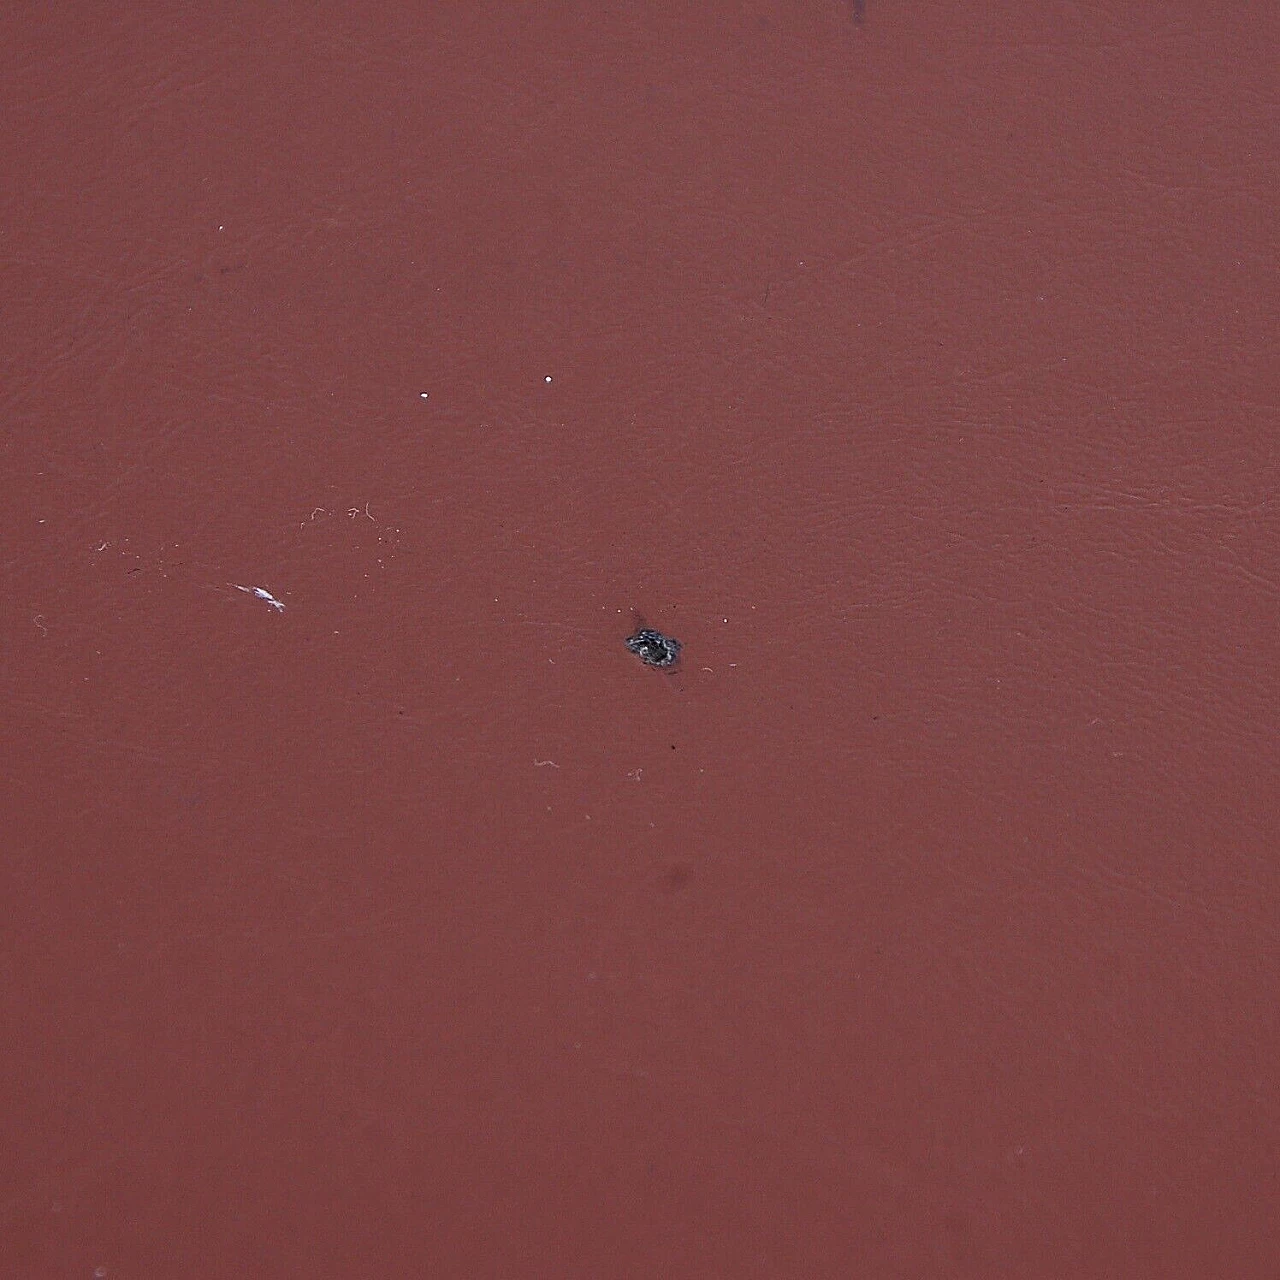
{"x":424,"y":395}
{"x":547,"y":378}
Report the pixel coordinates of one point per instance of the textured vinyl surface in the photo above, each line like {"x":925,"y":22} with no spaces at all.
{"x":369,"y":910}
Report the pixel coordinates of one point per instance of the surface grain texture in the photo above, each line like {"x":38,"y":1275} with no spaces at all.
{"x":369,"y":910}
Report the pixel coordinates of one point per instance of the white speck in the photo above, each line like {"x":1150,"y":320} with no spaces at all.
{"x":547,"y":378}
{"x":263,"y":594}
{"x":424,"y":395}
{"x":542,"y":764}
{"x":99,"y":1273}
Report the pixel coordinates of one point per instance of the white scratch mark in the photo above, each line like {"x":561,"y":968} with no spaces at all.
{"x":262,"y":593}
{"x":39,"y":621}
{"x":542,"y":764}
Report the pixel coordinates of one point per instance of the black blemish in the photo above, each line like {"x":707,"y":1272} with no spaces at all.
{"x":653,"y":648}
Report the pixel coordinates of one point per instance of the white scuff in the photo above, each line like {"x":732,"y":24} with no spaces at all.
{"x":263,"y":594}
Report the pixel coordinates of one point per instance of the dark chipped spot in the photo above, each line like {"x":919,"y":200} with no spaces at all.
{"x":653,"y":648}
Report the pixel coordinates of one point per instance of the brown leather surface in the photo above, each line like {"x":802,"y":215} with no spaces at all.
{"x":370,"y":910}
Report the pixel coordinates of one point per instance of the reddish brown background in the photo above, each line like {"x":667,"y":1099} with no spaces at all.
{"x":919,"y":375}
